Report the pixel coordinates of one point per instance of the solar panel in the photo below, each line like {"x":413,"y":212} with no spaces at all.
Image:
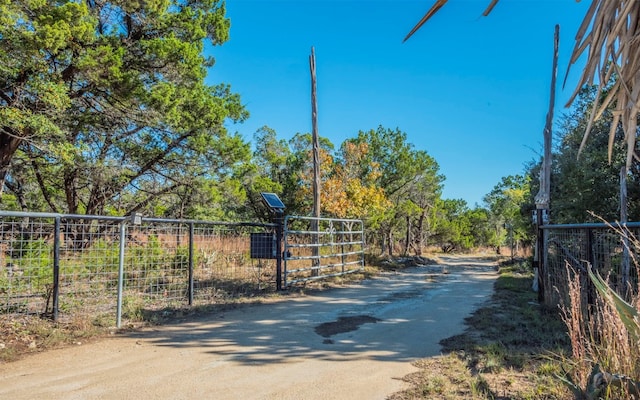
{"x":273,"y":201}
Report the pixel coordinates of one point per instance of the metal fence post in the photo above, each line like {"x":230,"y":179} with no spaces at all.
{"x":123,"y":231}
{"x":591,"y":260}
{"x":343,"y":257}
{"x":541,"y":255}
{"x":191,"y":246}
{"x":55,"y":290}
{"x":279,"y":220}
{"x":363,"y":240}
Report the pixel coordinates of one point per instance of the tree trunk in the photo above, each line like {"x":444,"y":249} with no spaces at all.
{"x":70,"y":192}
{"x":419,"y":233}
{"x":407,"y":237}
{"x":8,"y":146}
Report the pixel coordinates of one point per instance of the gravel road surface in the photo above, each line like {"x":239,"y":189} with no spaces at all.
{"x":355,"y":342}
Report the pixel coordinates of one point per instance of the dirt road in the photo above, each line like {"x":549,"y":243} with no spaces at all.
{"x":348,"y":343}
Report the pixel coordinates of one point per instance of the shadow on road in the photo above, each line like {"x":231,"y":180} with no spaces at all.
{"x":399,"y":316}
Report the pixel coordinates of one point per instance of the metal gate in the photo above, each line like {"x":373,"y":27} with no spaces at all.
{"x":318,"y":248}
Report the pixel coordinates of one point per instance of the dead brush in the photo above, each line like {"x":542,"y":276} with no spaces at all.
{"x":605,"y":336}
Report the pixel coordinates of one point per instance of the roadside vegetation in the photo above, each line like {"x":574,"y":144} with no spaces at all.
{"x":605,"y":333}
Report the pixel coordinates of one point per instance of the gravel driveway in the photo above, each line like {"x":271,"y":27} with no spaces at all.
{"x":355,"y":342}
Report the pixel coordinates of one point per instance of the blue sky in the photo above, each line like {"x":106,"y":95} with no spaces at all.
{"x":472,"y":91}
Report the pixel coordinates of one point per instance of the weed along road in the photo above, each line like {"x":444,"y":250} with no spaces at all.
{"x":355,"y":342}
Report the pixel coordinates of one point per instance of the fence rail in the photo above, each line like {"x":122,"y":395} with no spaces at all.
{"x":319,"y":248}
{"x":111,"y":266}
{"x":609,"y":249}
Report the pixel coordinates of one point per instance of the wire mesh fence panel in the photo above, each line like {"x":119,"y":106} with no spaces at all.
{"x":26,"y":267}
{"x":70,"y":265}
{"x":223,"y":265}
{"x":156,"y":266}
{"x":565,"y":252}
{"x":89,"y":251}
{"x":570,"y":250}
{"x":608,"y":258}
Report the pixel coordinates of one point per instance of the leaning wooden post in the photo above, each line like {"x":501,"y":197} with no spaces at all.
{"x":542,"y":199}
{"x":316,"y":165}
{"x":626,"y":258}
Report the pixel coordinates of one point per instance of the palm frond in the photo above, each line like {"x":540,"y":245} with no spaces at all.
{"x":612,"y":44}
{"x":434,"y":9}
{"x":489,"y":8}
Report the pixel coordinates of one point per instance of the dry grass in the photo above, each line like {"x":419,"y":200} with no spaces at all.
{"x":600,"y":341}
{"x":25,"y":334}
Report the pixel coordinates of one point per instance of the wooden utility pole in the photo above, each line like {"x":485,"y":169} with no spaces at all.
{"x":314,"y":134}
{"x":316,"y":162}
{"x":542,"y":199}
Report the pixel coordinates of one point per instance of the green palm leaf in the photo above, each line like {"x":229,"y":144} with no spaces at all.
{"x":628,"y":314}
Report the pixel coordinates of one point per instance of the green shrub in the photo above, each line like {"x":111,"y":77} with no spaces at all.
{"x":34,"y":261}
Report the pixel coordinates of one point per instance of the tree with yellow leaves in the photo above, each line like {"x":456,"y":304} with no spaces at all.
{"x":350,"y":191}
